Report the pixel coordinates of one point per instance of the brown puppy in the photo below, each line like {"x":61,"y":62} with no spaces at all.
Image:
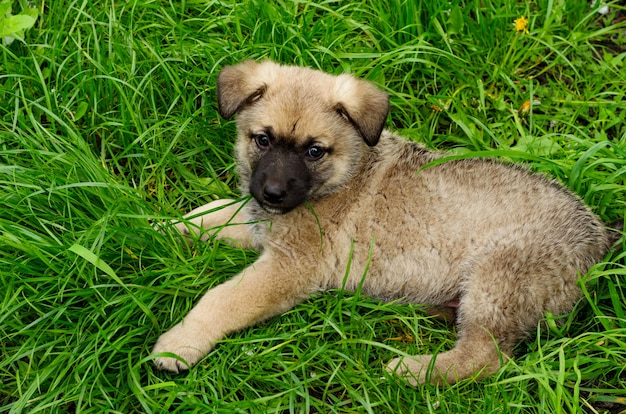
{"x":329,"y":186}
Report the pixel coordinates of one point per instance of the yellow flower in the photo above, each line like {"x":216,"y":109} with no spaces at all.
{"x":521,"y":24}
{"x":525,"y":107}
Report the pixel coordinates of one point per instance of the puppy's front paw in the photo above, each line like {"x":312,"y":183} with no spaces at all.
{"x":412,"y":369}
{"x":178,"y":342}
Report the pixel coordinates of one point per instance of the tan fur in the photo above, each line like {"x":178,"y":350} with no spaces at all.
{"x":504,"y":244}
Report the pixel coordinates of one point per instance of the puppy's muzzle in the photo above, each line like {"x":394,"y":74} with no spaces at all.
{"x":280,"y":181}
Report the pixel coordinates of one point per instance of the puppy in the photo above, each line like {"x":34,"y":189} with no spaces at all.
{"x":336,"y":197}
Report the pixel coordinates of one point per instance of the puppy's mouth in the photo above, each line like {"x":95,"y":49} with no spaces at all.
{"x":273,"y":204}
{"x":274,"y":209}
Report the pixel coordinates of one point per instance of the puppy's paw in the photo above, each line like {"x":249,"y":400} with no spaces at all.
{"x":171,"y":364}
{"x":448,"y":367}
{"x":188,"y":230}
{"x":412,"y":369}
{"x":177,"y":342}
{"x":177,"y":227}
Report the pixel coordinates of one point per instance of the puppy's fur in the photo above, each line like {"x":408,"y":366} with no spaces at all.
{"x":330,"y":186}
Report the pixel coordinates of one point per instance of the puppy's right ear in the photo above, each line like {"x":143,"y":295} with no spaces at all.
{"x":238,"y":86}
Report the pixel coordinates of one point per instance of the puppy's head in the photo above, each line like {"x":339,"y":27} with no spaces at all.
{"x":301,"y":132}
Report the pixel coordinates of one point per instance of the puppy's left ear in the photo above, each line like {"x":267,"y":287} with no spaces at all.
{"x":364,"y":105}
{"x":238,"y":86}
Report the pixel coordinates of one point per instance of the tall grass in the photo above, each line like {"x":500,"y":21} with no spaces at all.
{"x":108,"y":123}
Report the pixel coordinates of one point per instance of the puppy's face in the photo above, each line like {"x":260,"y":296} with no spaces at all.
{"x":301,"y":133}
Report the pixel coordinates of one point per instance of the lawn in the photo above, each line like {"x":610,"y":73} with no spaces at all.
{"x":108,"y":124}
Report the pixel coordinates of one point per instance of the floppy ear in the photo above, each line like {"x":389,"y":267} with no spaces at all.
{"x":238,"y":86}
{"x":364,"y":105}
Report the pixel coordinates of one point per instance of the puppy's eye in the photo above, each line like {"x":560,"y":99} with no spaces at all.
{"x":262,"y":141}
{"x":314,"y":153}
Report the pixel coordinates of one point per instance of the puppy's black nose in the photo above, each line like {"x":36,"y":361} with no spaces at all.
{"x":274,"y":194}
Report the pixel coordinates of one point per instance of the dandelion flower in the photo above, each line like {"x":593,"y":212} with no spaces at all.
{"x":525,"y":107}
{"x":521,"y":24}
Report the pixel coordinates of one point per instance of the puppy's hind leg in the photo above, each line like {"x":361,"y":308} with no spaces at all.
{"x":220,"y":217}
{"x":505,"y":294}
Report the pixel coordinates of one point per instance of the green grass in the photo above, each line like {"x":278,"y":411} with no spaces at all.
{"x":108,"y":122}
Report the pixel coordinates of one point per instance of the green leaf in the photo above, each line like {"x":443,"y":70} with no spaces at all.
{"x":32,"y":12}
{"x":455,"y":21}
{"x":14,"y":26}
{"x":540,"y":146}
{"x":88,"y":255}
{"x":81,"y":110}
{"x":214,"y":186}
{"x":5,"y":9}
